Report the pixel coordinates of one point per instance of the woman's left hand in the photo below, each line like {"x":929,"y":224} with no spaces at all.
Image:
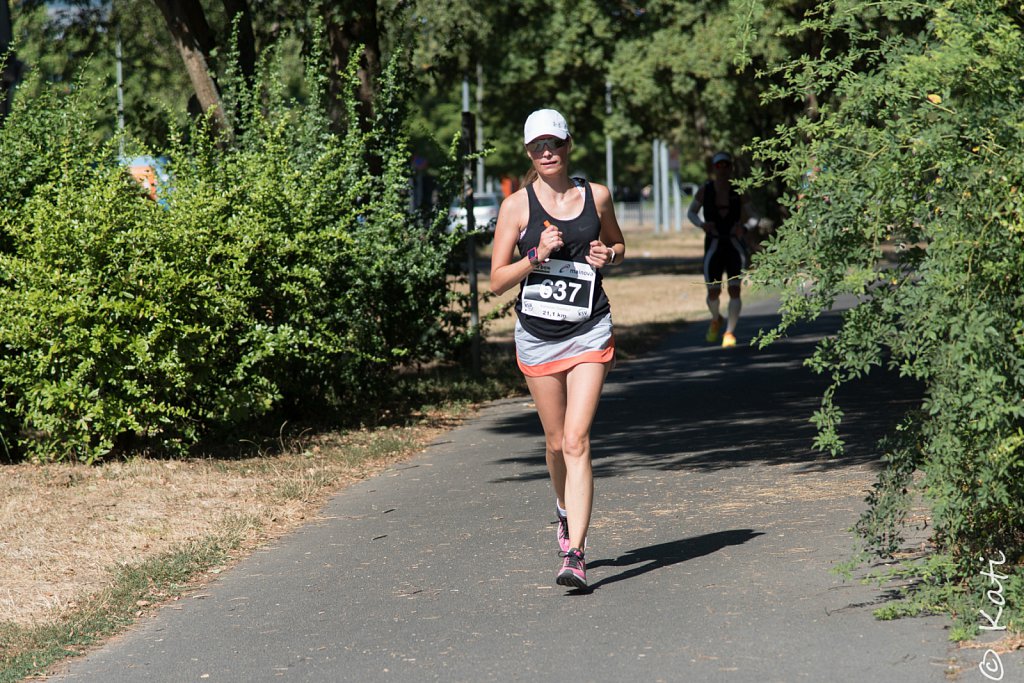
{"x":600,"y":254}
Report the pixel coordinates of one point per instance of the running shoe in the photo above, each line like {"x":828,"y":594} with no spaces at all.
{"x":574,"y":569}
{"x":562,"y":532}
{"x":728,"y":340}
{"x":713,"y":330}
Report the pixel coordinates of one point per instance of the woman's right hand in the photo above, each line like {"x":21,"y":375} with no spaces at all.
{"x":550,"y":242}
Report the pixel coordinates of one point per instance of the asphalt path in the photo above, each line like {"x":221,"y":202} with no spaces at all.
{"x":716,"y":529}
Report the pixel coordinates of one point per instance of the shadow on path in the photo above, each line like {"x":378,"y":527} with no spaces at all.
{"x":661,"y":555}
{"x":696,"y":406}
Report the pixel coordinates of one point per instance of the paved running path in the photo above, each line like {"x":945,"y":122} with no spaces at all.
{"x":714,"y":532}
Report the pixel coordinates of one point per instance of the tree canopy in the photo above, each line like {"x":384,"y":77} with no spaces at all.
{"x":668,"y":64}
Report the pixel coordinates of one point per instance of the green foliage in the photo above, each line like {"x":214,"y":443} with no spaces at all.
{"x":906,"y":194}
{"x":277,"y":273}
{"x":931,"y":586}
{"x":934,"y":584}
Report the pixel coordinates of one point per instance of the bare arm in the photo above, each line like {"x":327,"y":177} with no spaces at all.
{"x":693,"y":212}
{"x":611,"y":248}
{"x":506,"y":270}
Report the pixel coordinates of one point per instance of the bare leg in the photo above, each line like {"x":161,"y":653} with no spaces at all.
{"x":735,"y":304}
{"x":583,"y":384}
{"x":549,"y":395}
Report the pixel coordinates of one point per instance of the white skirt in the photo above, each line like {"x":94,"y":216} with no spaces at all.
{"x":539,"y":357}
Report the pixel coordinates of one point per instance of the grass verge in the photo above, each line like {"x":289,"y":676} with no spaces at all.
{"x":30,"y":650}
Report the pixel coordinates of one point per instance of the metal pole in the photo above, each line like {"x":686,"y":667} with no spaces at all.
{"x":609,"y":175}
{"x":664,"y":186}
{"x":468,"y":133}
{"x":479,"y":126}
{"x":677,"y":202}
{"x":656,"y":184}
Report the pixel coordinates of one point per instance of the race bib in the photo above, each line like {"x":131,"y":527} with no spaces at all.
{"x":560,"y":290}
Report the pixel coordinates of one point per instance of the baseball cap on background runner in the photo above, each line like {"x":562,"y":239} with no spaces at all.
{"x":545,"y":122}
{"x":721,"y":156}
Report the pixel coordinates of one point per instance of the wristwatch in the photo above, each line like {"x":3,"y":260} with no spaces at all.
{"x":533,"y":256}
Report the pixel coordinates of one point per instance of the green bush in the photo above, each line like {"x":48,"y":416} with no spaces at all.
{"x":906,"y":193}
{"x":278,"y":273}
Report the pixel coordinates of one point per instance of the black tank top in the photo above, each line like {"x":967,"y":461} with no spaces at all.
{"x":577,"y":234}
{"x":723,"y":223}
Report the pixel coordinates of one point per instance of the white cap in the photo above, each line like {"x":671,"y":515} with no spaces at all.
{"x":545,"y":122}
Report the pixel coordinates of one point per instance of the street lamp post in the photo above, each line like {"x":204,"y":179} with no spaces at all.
{"x":468,"y":135}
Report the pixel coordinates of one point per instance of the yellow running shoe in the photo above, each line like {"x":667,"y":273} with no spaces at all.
{"x":713,"y":330}
{"x":728,"y":340}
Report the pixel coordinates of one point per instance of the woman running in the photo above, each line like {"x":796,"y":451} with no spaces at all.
{"x":565,"y":231}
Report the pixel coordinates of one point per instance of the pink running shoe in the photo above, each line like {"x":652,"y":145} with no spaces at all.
{"x":574,"y":569}
{"x":562,"y":532}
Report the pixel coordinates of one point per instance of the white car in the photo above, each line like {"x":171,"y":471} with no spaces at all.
{"x":485,"y":212}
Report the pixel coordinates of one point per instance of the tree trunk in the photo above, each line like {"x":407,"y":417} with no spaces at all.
{"x":351,"y":23}
{"x":191,"y":33}
{"x":239,"y":10}
{"x":11,"y":72}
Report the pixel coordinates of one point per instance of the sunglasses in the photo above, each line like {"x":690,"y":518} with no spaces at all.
{"x":538,"y":146}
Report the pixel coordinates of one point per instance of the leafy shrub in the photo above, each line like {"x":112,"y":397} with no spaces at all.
{"x":279,"y":272}
{"x":907,"y":195}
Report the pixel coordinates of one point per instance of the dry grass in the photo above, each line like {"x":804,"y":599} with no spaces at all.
{"x":1005,"y":645}
{"x":65,"y":528}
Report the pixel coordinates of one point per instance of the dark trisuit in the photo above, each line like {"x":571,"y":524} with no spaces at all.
{"x":723,"y":251}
